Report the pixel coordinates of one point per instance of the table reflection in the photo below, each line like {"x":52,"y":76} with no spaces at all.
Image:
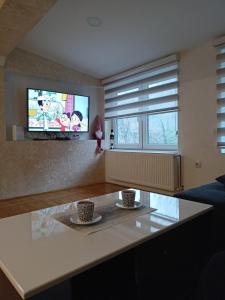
{"x":44,"y":226}
{"x":166,"y":213}
{"x":165,"y":205}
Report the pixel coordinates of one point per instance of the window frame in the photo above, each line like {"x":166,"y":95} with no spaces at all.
{"x":143,"y":135}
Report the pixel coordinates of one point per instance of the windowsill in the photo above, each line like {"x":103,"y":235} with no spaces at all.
{"x":146,"y":151}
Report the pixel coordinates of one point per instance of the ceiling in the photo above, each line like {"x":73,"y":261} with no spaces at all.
{"x":132,"y":32}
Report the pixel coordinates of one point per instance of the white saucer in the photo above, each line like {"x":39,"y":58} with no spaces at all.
{"x":137,"y":205}
{"x":75,"y":220}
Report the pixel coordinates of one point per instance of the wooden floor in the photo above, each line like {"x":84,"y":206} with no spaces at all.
{"x":26,"y":204}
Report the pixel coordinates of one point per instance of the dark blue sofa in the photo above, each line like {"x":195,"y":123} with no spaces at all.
{"x":213,"y":194}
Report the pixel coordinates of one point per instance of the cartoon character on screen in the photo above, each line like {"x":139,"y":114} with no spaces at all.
{"x":64,"y":122}
{"x":76,"y":119}
{"x":44,"y":114}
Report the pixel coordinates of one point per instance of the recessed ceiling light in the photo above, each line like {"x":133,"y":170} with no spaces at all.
{"x":94,"y":21}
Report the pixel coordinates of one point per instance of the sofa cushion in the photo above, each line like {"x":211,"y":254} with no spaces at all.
{"x":212,"y":193}
{"x":221,"y":179}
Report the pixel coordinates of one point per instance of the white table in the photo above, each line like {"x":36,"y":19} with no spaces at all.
{"x":38,"y":252}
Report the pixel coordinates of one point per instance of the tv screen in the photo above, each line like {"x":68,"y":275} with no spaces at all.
{"x":57,"y":112}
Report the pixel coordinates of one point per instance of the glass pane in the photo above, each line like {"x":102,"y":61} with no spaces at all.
{"x":162,"y":129}
{"x":221,"y":50}
{"x":121,"y":102}
{"x":127,"y":91}
{"x":161,"y":82}
{"x":221,"y":109}
{"x":124,"y":92}
{"x":168,"y":207}
{"x":222,"y":138}
{"x":163,"y":93}
{"x":128,"y":130}
{"x":221,"y":79}
{"x":221,"y":124}
{"x":221,"y":95}
{"x":221,"y":65}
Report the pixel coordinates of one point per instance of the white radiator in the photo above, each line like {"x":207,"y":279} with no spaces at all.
{"x":159,"y":171}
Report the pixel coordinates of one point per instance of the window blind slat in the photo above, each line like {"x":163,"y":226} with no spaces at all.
{"x":220,"y":71}
{"x":141,"y":104}
{"x":140,"y":101}
{"x":220,"y":86}
{"x":220,"y":57}
{"x":142,"y":90}
{"x":221,"y":100}
{"x":140,"y":112}
{"x":221,"y":144}
{"x":221,"y":115}
{"x":221,"y":130}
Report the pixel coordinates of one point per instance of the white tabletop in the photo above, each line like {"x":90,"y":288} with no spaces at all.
{"x":37,"y":251}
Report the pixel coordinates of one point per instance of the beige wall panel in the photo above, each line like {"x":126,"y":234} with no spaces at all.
{"x":16,"y":18}
{"x":198,"y":120}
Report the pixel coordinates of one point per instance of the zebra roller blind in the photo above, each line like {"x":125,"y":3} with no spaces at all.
{"x":150,"y":88}
{"x":221,"y":96}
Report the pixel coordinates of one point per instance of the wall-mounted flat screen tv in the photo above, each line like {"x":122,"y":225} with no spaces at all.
{"x":57,"y":112}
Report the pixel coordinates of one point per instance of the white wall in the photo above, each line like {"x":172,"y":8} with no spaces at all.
{"x":198,"y":119}
{"x":16,"y":85}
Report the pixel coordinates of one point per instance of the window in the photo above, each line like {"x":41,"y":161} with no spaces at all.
{"x":221,"y":97}
{"x":143,"y":105}
{"x":161,"y":131}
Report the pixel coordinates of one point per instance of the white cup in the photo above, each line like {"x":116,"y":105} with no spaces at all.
{"x":128,"y":197}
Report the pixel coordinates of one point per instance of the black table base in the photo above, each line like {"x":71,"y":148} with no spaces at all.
{"x":166,"y":267}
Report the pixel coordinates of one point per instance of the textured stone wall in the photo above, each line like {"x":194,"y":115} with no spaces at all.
{"x":28,"y":167}
{"x":40,"y":166}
